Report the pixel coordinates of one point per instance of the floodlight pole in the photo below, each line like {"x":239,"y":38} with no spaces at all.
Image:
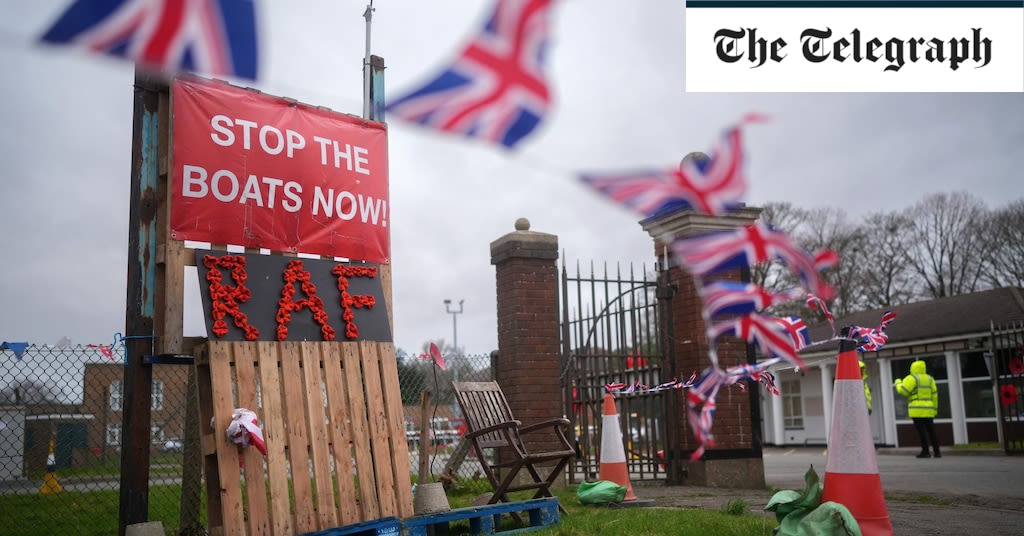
{"x":455,"y":330}
{"x":455,"y":343}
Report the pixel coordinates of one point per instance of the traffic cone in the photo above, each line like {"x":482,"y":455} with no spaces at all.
{"x":851,"y":470}
{"x":613,"y":455}
{"x":50,"y":484}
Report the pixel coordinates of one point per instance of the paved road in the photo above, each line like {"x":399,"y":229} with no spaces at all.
{"x":901,"y":472}
{"x":955,"y":495}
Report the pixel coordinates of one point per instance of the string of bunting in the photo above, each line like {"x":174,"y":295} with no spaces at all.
{"x":496,"y":90}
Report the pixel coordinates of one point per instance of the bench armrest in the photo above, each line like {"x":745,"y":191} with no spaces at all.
{"x":557,"y":423}
{"x":493,"y":428}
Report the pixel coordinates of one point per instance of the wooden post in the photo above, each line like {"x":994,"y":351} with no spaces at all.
{"x":424,"y":437}
{"x":135,"y":428}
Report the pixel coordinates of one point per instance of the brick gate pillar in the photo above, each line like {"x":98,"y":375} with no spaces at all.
{"x":736,"y":459}
{"x":526,"y":266}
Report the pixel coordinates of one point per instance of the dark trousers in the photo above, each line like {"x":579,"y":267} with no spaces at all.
{"x":926,"y":433}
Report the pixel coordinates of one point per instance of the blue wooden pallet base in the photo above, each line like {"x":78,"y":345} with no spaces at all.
{"x":387,"y":526}
{"x":486,"y":519}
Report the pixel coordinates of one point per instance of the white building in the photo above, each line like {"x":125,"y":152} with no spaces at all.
{"x":966,"y":351}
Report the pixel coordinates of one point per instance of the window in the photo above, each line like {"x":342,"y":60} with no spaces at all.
{"x":792,"y":406}
{"x":116,"y":395}
{"x":979,"y":399}
{"x":158,"y":395}
{"x":935,"y":366}
{"x":113,"y":434}
{"x":156,"y":433}
{"x":974,"y":365}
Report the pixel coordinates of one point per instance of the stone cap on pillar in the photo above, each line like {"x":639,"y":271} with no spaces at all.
{"x":524,"y":243}
{"x":686,"y":222}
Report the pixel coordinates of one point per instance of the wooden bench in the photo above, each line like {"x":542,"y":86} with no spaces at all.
{"x":491,"y":426}
{"x":542,"y":513}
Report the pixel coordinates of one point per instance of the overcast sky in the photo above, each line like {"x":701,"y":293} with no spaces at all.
{"x":617,"y":74}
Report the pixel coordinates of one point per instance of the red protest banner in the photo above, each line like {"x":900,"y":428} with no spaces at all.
{"x":259,"y":171}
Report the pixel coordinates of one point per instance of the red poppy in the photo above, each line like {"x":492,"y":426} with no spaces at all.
{"x":1017,"y":366}
{"x":1008,"y":395}
{"x":226,"y":298}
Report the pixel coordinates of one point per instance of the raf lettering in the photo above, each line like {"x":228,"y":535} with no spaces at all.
{"x":270,"y":297}
{"x":822,"y":45}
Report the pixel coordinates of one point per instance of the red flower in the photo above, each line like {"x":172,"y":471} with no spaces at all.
{"x":225,"y":299}
{"x":1008,"y":395}
{"x":1017,"y":366}
{"x":296,"y":272}
{"x":349,"y":301}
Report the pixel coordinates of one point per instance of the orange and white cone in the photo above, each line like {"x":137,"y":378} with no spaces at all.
{"x":613,"y":455}
{"x":851,"y":471}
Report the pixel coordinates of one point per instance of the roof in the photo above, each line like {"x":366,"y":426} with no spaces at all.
{"x":964,"y":314}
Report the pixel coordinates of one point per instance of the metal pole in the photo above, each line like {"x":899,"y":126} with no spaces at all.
{"x":455,"y":329}
{"x":368,"y":15}
{"x":455,"y":342}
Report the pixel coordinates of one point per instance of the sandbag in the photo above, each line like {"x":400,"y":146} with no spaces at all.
{"x":803,"y":513}
{"x":600,"y":492}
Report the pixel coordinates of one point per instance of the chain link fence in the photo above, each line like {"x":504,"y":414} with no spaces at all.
{"x":60,"y":440}
{"x":448,"y":458}
{"x":60,"y":436}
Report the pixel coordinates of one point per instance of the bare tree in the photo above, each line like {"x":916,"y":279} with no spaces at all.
{"x":28,"y":392}
{"x":773,"y":275}
{"x":1005,"y":239}
{"x":946,"y":247}
{"x":884,"y":277}
{"x":812,"y":230}
{"x":831,"y":229}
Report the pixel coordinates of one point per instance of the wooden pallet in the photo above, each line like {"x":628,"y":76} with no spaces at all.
{"x":332,"y":419}
{"x":486,"y":519}
{"x":389,"y":526}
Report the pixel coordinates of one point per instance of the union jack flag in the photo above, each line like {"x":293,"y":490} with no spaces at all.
{"x":756,"y":373}
{"x":767,"y":332}
{"x":104,"y":349}
{"x":732,"y":298}
{"x":17,"y":347}
{"x":435,"y":354}
{"x":712,"y":186}
{"x":214,"y":37}
{"x":814,"y":302}
{"x":495,"y":89}
{"x":797,"y":330}
{"x":872,"y":339}
{"x":746,"y":246}
{"x":701,"y":406}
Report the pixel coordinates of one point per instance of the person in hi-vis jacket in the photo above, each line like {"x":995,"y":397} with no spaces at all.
{"x":867,"y":389}
{"x":922,"y":405}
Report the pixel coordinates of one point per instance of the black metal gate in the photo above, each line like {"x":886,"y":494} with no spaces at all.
{"x":1008,"y":349}
{"x":613,"y":331}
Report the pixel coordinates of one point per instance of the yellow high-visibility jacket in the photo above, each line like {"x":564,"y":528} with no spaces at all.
{"x":921,"y":392}
{"x":867,"y":389}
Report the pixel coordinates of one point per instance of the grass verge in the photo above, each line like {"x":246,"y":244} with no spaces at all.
{"x":733,"y":519}
{"x":95,"y":513}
